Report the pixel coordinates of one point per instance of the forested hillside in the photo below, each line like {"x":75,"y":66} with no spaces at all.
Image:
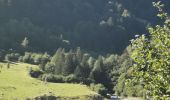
{"x":100,"y":26}
{"x":105,"y":48}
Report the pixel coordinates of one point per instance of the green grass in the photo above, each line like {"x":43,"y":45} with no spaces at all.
{"x":16,"y":83}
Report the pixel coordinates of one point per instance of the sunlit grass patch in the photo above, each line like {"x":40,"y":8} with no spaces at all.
{"x":16,"y":83}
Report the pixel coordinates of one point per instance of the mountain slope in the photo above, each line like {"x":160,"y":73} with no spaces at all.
{"x":94,"y":25}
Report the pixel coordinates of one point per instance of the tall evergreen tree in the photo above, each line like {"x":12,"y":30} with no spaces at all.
{"x":78,"y":71}
{"x":68,"y":67}
{"x":79,"y":54}
{"x":91,"y":62}
{"x":58,"y":61}
{"x":85,"y":66}
{"x":98,"y":70}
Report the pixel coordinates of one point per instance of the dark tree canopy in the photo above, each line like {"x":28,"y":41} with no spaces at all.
{"x":97,"y":26}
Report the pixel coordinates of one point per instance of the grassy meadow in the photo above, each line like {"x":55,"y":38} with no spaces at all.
{"x":15,"y":83}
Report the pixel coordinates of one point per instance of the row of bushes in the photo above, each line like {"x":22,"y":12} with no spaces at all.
{"x":65,"y":79}
{"x":35,"y":58}
{"x":37,"y":73}
{"x":12,"y":57}
{"x":28,"y":57}
{"x":99,"y":88}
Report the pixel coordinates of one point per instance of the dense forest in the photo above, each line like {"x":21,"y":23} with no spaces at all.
{"x":98,"y":26}
{"x":112,"y":46}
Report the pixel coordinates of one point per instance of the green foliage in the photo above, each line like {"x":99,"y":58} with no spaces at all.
{"x":41,"y":28}
{"x":71,"y":79}
{"x":120,"y":85}
{"x":52,"y":78}
{"x":76,"y":66}
{"x":85,"y":66}
{"x":60,"y":78}
{"x":25,"y":58}
{"x":78,"y":71}
{"x":123,"y":73}
{"x":25,"y":42}
{"x":99,"y":88}
{"x":49,"y":68}
{"x":68,"y":67}
{"x":58,"y":61}
{"x":97,"y":70}
{"x":35,"y":72}
{"x":91,"y":62}
{"x":35,"y":58}
{"x":100,"y":73}
{"x":151,"y":56}
{"x":46,"y":22}
{"x":133,"y":90}
{"x":12,"y":57}
{"x":79,"y":54}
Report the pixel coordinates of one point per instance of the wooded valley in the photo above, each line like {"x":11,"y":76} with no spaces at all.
{"x":104,"y":48}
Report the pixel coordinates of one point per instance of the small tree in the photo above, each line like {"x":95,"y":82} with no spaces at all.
{"x":25,"y":42}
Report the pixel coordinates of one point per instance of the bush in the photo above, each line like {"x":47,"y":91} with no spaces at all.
{"x":26,"y":58}
{"x":71,"y":79}
{"x":35,"y":72}
{"x":12,"y":57}
{"x":35,"y":58}
{"x":53,"y":78}
{"x":87,"y":81}
{"x":99,"y":88}
{"x":64,"y":79}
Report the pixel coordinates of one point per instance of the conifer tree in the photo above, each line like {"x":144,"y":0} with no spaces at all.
{"x":78,"y":71}
{"x":25,"y":42}
{"x":79,"y":54}
{"x":97,"y":71}
{"x":85,"y":66}
{"x":91,"y":61}
{"x":58,"y":61}
{"x":68,"y":67}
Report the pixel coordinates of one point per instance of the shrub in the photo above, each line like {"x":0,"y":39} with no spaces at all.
{"x":35,"y":58}
{"x":35,"y":72}
{"x":71,"y":79}
{"x":52,"y":78}
{"x":12,"y":57}
{"x":86,"y":81}
{"x":26,"y":58}
{"x":99,"y":88}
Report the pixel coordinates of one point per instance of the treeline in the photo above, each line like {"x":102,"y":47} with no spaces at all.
{"x":76,"y":66}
